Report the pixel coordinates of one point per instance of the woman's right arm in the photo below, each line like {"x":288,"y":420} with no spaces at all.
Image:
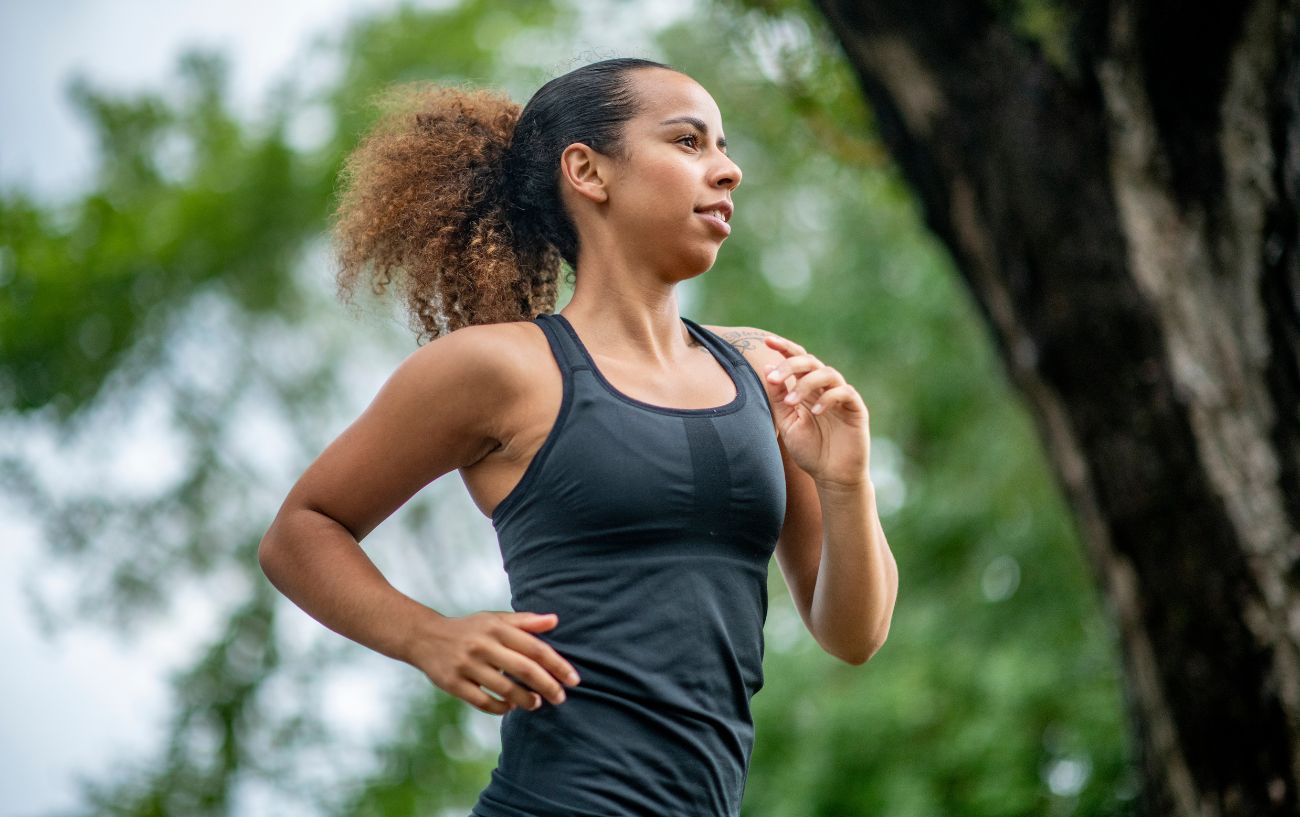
{"x":439,"y":411}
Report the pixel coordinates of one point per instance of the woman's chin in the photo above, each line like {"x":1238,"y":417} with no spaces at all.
{"x":699,"y":266}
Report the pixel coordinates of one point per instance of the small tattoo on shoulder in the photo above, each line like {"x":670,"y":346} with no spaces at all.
{"x":745,"y":338}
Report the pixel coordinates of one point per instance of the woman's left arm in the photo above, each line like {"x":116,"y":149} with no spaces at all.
{"x":837,"y":562}
{"x":857,"y":579}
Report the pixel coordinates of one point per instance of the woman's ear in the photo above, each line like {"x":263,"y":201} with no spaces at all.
{"x":583,"y":170}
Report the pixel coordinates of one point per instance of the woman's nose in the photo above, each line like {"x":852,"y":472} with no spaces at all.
{"x":728,"y":174}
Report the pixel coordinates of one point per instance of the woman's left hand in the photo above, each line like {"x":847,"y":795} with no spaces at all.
{"x":822,"y":420}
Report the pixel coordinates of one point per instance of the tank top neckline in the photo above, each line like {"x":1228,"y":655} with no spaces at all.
{"x":698,"y":333}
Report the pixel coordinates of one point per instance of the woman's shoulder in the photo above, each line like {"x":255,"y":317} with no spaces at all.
{"x":479,"y":376}
{"x":748,"y":340}
{"x":447,"y":405}
{"x":504,"y":353}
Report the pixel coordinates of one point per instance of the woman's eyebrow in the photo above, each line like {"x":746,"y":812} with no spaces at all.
{"x":696,"y":123}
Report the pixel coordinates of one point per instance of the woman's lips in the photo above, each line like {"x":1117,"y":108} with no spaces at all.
{"x":718,"y":223}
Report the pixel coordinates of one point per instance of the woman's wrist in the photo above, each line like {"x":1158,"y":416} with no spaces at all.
{"x":834,"y":486}
{"x":421,"y":624}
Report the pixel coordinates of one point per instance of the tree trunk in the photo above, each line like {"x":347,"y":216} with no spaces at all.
{"x":1128,"y":226}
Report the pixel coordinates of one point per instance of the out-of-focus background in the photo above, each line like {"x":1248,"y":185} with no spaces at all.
{"x":166,"y":175}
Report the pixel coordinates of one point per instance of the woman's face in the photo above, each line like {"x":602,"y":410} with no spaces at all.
{"x":675,"y":167}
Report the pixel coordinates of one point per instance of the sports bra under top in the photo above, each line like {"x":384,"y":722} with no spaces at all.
{"x":648,"y":530}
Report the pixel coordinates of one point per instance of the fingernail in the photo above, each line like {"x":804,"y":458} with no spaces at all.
{"x":792,"y":397}
{"x":573,"y":678}
{"x":774,"y":376}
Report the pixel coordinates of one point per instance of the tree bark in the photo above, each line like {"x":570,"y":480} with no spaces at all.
{"x":1127,"y":225}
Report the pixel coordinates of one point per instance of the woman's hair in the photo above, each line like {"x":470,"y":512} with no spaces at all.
{"x":456,"y":190}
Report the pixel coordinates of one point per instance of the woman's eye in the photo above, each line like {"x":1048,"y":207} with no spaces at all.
{"x":694,"y":139}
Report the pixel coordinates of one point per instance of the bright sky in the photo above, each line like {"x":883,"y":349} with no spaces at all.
{"x":72,"y":706}
{"x":131,"y":44}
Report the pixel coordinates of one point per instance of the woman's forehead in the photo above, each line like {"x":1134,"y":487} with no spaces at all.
{"x":669,"y":95}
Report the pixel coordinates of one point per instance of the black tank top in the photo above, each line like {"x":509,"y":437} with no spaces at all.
{"x":648,"y":531}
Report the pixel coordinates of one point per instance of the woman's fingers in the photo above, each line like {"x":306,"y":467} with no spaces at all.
{"x":525,"y":674}
{"x":786,"y":345}
{"x":469,"y":691}
{"x":810,"y":386}
{"x":545,"y":654}
{"x":803,"y":377}
{"x":792,"y":367}
{"x":493,"y":652}
{"x":537,"y":664}
{"x":497,"y":681}
{"x":518,"y":662}
{"x":508,"y":687}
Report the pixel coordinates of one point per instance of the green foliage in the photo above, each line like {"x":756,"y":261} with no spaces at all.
{"x":997,"y":691}
{"x":187,"y":201}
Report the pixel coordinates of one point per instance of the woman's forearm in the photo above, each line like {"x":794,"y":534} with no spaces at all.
{"x":319,"y":565}
{"x":857,"y":580}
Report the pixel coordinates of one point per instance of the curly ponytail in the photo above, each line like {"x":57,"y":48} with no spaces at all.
{"x":423,"y":195}
{"x":456,"y":190}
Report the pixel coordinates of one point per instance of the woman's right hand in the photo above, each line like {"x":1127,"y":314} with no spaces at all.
{"x":494,"y":649}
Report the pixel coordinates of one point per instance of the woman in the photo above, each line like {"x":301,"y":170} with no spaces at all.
{"x":637,"y":469}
